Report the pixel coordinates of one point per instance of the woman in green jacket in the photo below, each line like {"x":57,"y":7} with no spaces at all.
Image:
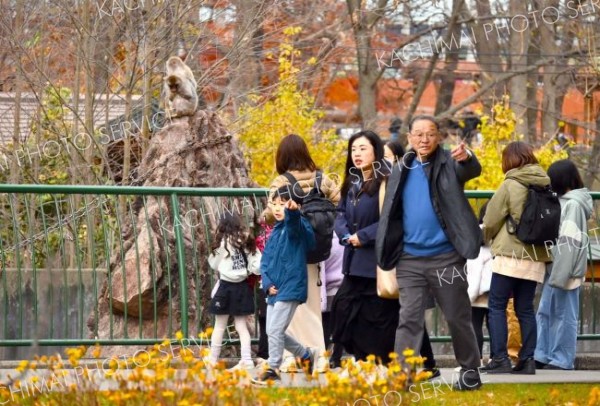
{"x":517,"y":267}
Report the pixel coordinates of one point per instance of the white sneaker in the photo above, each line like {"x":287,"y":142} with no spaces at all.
{"x":243,"y":365}
{"x":260,"y":362}
{"x":322,"y":365}
{"x":289,"y":365}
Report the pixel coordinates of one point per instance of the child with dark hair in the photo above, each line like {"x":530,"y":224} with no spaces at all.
{"x":235,"y":257}
{"x":558,"y":311}
{"x":284,"y":278}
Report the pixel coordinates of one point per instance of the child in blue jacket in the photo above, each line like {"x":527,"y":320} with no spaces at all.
{"x":284,"y":279}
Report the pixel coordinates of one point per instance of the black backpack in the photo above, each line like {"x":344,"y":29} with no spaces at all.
{"x":320,"y":212}
{"x":540,"y":220}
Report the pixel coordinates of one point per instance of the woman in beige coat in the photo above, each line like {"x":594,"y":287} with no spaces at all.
{"x":517,"y":268}
{"x":293,"y":157}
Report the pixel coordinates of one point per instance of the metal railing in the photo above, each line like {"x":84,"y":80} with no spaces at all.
{"x":63,"y":249}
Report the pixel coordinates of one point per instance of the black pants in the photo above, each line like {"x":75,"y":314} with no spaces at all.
{"x":427,"y":351}
{"x":336,"y":350}
{"x":478,"y":314}
{"x":263,"y":339}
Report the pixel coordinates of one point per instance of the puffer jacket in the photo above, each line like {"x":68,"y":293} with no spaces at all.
{"x":306,"y":179}
{"x":570,"y":252}
{"x":452,"y":208}
{"x":510,"y":199}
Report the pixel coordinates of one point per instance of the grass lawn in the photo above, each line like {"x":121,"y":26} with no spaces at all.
{"x":427,"y":394}
{"x":509,"y":394}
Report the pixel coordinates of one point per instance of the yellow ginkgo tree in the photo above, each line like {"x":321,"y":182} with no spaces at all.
{"x":267,"y":119}
{"x":497,"y":130}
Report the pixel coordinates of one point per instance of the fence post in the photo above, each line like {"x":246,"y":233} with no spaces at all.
{"x":180,"y":264}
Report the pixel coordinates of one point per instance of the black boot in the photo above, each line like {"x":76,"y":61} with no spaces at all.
{"x":525,"y":367}
{"x":468,"y":379}
{"x":498,"y":366}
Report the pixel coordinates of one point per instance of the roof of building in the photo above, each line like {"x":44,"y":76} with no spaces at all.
{"x":106,"y":108}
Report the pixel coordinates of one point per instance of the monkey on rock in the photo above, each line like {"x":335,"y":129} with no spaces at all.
{"x":181,"y":98}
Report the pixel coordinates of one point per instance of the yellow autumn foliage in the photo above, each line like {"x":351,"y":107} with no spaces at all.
{"x":266,"y":120}
{"x":497,"y":130}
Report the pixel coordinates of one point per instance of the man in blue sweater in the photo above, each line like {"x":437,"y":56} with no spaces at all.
{"x":285,"y":281}
{"x":427,"y":230}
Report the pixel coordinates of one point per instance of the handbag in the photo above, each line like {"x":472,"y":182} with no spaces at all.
{"x":387,"y":284}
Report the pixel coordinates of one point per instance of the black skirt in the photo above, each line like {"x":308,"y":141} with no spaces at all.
{"x":363,"y":322}
{"x":234,"y":299}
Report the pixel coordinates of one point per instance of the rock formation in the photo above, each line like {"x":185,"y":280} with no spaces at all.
{"x":194,"y":151}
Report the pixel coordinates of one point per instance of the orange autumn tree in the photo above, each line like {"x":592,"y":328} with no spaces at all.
{"x":265,"y":121}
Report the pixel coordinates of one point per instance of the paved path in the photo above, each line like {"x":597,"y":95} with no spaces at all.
{"x":448,"y":376}
{"x":541,"y":376}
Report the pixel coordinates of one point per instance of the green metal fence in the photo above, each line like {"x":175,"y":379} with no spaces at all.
{"x":63,"y":249}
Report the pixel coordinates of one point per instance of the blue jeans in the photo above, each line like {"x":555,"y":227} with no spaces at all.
{"x":279,"y":316}
{"x":557,"y":327}
{"x":523,"y":292}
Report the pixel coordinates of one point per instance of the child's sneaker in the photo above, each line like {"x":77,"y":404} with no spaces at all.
{"x":243,"y":365}
{"x":260,"y":362}
{"x":267,"y":375}
{"x":289,"y":365}
{"x":310,"y":362}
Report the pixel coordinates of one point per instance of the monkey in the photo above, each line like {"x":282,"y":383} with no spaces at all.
{"x":181,"y":98}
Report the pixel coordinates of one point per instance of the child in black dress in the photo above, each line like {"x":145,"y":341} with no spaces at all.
{"x":235,"y":257}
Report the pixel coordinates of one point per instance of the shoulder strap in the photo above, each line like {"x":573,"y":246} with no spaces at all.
{"x":290,"y":178}
{"x":318,"y":180}
{"x":293,"y":182}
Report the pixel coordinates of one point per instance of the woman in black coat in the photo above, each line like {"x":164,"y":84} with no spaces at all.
{"x":363,"y":322}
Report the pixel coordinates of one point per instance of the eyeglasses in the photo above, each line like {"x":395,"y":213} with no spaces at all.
{"x":420,"y":136}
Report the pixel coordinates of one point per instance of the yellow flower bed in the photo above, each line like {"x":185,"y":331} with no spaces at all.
{"x":181,"y":377}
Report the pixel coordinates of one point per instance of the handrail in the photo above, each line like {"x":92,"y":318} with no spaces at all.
{"x":181,"y":191}
{"x":56,"y":224}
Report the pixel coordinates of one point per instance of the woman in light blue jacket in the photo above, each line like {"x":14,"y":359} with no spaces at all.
{"x":558,"y":311}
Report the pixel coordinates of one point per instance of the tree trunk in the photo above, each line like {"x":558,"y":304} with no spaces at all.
{"x":548,"y":47}
{"x":452,"y":26}
{"x":448,"y":77}
{"x":488,"y":54}
{"x":518,"y":85}
{"x":555,"y":82}
{"x":533,"y":55}
{"x":246,"y":53}
{"x":363,"y":22}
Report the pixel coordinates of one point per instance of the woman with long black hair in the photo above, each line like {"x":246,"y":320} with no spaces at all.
{"x":363,"y":322}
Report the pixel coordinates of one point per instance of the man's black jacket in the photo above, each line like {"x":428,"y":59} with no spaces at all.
{"x":446,"y":186}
